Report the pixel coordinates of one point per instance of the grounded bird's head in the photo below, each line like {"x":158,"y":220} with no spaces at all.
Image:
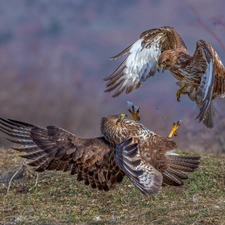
{"x":114,"y":119}
{"x":112,"y":126}
{"x":166,"y":60}
{"x":121,"y":117}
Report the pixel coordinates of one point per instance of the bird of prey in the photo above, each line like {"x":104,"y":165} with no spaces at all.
{"x":126,"y":148}
{"x":201,"y":76}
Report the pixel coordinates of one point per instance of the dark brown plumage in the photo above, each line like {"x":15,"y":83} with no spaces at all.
{"x":201,"y":76}
{"x":127,"y":148}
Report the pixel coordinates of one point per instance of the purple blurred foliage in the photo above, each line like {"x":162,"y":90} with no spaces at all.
{"x":54,"y":56}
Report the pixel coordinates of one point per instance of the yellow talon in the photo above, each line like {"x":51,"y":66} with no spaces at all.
{"x":174,"y":129}
{"x":134,"y":115}
{"x":179,"y":92}
{"x":134,"y":111}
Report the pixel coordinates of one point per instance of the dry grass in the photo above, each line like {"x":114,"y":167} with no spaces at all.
{"x":60,"y":199}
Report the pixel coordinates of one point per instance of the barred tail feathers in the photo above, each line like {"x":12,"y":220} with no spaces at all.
{"x":175,"y":174}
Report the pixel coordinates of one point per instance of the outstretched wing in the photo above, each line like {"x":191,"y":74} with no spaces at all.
{"x":219,"y":72}
{"x":202,"y":65}
{"x":212,"y":82}
{"x":144,"y":176}
{"x":53,"y":148}
{"x":142,"y":59}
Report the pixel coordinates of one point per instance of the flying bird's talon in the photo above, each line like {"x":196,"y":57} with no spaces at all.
{"x":180,"y":92}
{"x":134,"y":110}
{"x":174,"y":129}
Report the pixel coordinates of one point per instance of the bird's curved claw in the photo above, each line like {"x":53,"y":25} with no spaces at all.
{"x":174,"y":128}
{"x":134,"y":111}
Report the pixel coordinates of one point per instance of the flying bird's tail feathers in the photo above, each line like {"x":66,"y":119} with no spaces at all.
{"x":178,"y":165}
{"x":145,"y":177}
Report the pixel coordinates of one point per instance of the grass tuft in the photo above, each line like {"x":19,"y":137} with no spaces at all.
{"x":60,"y":199}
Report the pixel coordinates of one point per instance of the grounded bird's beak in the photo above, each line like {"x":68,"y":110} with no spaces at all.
{"x":121,"y":118}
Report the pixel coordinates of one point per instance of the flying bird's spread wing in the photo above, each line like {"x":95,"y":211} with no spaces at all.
{"x":201,"y":76}
{"x":218,"y":71}
{"x":145,"y":177}
{"x":202,"y":60}
{"x":142,"y":59}
{"x":53,"y":148}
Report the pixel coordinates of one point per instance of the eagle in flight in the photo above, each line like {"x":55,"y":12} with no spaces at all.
{"x":201,"y":76}
{"x":126,"y":148}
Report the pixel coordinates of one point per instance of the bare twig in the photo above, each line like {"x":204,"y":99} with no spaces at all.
{"x":13,"y":176}
{"x":217,"y":21}
{"x":214,"y":35}
{"x":36,"y":181}
{"x":20,"y":171}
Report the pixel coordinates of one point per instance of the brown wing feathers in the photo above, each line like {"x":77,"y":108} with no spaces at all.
{"x":145,"y":178}
{"x":53,"y":148}
{"x":95,"y":161}
{"x":174,"y":174}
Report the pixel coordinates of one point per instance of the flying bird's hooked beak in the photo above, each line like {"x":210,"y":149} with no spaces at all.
{"x":161,"y":67}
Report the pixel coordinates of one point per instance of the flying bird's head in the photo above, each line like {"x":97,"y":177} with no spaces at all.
{"x":166,"y":60}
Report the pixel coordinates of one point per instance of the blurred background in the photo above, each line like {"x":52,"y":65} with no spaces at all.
{"x":54,"y":56}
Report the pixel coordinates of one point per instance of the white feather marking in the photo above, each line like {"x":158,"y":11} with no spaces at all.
{"x":29,"y":146}
{"x":142,"y":61}
{"x":171,"y":153}
{"x":37,"y":151}
{"x":147,"y":178}
{"x":136,"y":46}
{"x":25,"y":141}
{"x":41,"y":156}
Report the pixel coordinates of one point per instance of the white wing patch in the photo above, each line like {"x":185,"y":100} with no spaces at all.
{"x":142,"y":61}
{"x":140,"y":64}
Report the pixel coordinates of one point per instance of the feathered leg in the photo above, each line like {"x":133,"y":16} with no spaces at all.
{"x":179,"y":92}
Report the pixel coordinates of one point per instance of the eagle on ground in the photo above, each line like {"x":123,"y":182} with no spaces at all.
{"x":201,"y":76}
{"x":126,"y":148}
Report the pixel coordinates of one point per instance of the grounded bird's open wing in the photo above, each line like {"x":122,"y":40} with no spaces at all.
{"x":53,"y":148}
{"x":145,"y":177}
{"x":53,"y":144}
{"x":142,"y":59}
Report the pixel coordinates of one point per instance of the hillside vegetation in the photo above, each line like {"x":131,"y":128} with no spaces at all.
{"x":60,"y":199}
